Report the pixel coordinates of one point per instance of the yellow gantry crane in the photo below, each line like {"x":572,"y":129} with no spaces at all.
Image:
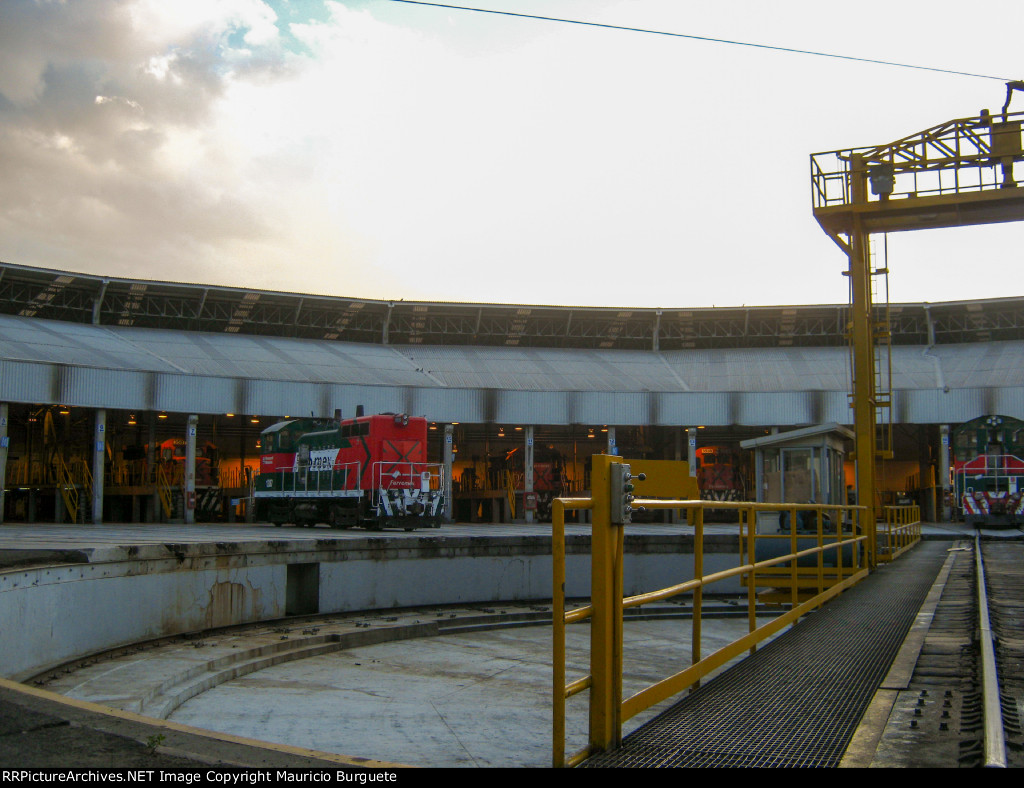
{"x":955,"y":174}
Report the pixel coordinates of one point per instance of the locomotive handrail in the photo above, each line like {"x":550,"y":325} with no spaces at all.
{"x":413,"y":474}
{"x":298,"y":481}
{"x":1007,"y":464}
{"x":850,"y":541}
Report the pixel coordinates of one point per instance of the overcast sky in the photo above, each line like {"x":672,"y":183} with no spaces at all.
{"x":377,"y":149}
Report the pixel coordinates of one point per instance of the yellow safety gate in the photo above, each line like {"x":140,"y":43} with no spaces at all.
{"x":818,"y":564}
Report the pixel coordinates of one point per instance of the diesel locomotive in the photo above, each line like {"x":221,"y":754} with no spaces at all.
{"x":988,"y":470}
{"x":369,"y":471}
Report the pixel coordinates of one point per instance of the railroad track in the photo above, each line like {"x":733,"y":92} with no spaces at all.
{"x":965,"y":702}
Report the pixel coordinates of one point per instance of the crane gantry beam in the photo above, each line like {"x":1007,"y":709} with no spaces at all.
{"x":955,"y":174}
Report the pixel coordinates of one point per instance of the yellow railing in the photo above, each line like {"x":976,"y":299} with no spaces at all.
{"x":824,"y":560}
{"x":510,"y":492}
{"x":87,"y":480}
{"x":163,"y":486}
{"x":66,"y":483}
{"x":900,"y":532}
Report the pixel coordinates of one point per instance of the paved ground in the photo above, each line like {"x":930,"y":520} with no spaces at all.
{"x":469,"y":698}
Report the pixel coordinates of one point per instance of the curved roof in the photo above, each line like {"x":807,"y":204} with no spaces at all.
{"x":46,"y":361}
{"x":139,"y":303}
{"x":130,"y":344}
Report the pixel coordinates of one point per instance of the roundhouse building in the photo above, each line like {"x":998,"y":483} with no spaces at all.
{"x":102,"y":377}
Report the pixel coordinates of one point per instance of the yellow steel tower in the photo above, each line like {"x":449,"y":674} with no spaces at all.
{"x":957,"y":173}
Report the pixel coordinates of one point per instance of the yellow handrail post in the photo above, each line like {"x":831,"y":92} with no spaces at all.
{"x":698,"y":592}
{"x":793,"y":574}
{"x":606,"y":625}
{"x":821,"y":555}
{"x":558,"y":632}
{"x":752,"y":577}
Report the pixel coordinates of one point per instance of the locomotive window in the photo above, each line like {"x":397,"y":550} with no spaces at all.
{"x":283,"y":440}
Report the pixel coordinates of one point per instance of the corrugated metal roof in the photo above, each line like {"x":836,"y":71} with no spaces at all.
{"x":124,"y":367}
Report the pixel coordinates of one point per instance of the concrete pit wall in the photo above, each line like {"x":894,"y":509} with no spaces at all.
{"x":53,"y":614}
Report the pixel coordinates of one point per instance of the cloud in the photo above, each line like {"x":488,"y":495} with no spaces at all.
{"x":109,"y":127}
{"x":383,"y":150}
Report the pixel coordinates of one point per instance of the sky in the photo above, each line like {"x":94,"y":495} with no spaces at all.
{"x":384,"y":150}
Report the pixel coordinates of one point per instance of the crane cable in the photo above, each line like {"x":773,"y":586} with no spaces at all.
{"x":700,"y":38}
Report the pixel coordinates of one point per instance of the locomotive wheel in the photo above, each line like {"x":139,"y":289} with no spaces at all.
{"x":339,"y":518}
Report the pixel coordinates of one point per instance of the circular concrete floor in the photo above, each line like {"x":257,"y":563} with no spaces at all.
{"x":478,"y":698}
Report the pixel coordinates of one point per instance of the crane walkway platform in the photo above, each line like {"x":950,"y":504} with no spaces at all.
{"x":797,"y":701}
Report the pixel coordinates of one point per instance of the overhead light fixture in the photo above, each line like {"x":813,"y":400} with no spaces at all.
{"x":162,"y":416}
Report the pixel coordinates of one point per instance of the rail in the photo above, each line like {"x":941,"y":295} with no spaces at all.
{"x":900,"y":531}
{"x":995,"y":739}
{"x":808,"y":579}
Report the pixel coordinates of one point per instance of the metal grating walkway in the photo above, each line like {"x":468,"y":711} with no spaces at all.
{"x":797,"y":701}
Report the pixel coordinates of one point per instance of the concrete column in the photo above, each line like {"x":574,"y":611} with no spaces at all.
{"x":154,"y":499}
{"x":190,"y":469}
{"x":675,"y":514}
{"x":612,"y":448}
{"x":448,"y":457}
{"x":943,"y":480}
{"x":528,"y":472}
{"x":4,"y":444}
{"x":99,"y":456}
{"x":927,"y":484}
{"x":759,"y":481}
